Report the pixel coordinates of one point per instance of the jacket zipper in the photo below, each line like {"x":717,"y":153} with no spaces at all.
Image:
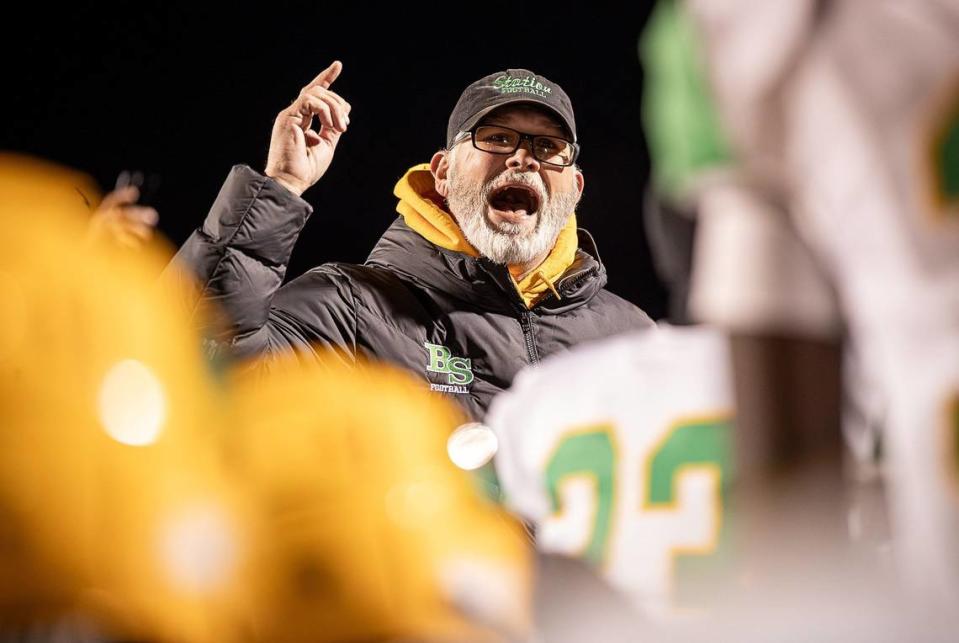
{"x":573,"y":280}
{"x":526,"y":322}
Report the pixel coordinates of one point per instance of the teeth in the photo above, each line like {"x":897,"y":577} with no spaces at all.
{"x":515,"y":199}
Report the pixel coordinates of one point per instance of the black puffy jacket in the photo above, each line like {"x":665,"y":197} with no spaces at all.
{"x":455,"y":320}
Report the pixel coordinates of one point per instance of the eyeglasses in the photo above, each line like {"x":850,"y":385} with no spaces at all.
{"x":497,"y":139}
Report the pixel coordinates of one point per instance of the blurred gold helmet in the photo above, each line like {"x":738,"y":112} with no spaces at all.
{"x":113,"y":503}
{"x":373,"y":533}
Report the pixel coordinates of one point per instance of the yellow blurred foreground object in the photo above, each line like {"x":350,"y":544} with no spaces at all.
{"x":374,"y":534}
{"x":114,"y":507}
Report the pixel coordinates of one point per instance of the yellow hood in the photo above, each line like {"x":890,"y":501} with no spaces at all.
{"x":421,"y":207}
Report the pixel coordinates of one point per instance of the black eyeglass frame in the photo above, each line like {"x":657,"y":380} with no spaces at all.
{"x":523,"y":136}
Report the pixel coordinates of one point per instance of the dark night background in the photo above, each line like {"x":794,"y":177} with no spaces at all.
{"x":186,"y":92}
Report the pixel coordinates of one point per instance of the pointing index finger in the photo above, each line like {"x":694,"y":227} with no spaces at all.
{"x":327,"y":76}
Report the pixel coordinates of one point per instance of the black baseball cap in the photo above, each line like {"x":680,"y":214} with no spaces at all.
{"x":506,"y":88}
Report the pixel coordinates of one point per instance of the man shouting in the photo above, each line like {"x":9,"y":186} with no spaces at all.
{"x":483,"y":273}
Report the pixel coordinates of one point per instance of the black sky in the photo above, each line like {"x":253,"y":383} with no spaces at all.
{"x":187,"y":92}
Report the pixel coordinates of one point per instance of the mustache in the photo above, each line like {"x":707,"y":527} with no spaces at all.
{"x":532,"y":181}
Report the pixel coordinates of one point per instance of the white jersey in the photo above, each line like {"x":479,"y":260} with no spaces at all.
{"x":617,"y":453}
{"x":860,"y":122}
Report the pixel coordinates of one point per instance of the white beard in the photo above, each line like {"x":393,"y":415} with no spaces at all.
{"x":506,"y":243}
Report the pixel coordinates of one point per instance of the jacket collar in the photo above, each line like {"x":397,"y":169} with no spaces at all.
{"x":476,"y":280}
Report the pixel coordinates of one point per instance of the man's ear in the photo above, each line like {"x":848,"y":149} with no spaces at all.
{"x":580,"y":182}
{"x":439,"y":168}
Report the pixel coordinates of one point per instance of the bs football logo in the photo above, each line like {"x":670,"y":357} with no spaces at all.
{"x":458,"y":370}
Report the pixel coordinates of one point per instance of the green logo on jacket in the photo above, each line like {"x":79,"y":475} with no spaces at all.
{"x":441,"y":360}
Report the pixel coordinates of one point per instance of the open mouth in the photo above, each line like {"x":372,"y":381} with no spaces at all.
{"x":516,"y":199}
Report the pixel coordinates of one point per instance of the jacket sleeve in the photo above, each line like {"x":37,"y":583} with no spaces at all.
{"x":239,"y":259}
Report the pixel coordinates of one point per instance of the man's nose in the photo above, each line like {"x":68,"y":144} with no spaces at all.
{"x":522,"y":158}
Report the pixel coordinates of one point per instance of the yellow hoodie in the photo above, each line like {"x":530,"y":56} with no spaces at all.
{"x":421,"y":207}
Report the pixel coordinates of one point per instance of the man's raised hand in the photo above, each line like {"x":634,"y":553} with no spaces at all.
{"x":299,"y":154}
